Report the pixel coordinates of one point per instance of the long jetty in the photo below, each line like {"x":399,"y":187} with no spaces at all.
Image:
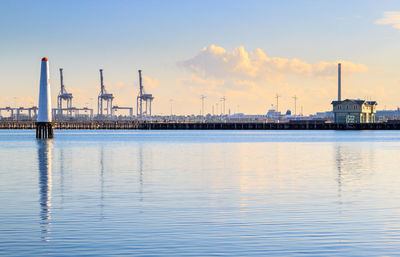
{"x":215,"y":125}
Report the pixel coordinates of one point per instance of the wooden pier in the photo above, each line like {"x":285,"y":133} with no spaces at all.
{"x":143,"y":125}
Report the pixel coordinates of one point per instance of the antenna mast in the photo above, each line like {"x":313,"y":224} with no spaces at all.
{"x":202,"y":97}
{"x":277,"y":102}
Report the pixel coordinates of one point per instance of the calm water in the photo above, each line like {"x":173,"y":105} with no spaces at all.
{"x":200,"y":193}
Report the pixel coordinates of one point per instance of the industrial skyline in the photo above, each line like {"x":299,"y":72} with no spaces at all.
{"x":271,"y":49}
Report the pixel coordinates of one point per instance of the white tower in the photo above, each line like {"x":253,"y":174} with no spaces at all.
{"x":44,"y":128}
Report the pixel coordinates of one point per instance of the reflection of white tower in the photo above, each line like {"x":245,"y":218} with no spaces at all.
{"x":44,"y":128}
{"x":45,"y":185}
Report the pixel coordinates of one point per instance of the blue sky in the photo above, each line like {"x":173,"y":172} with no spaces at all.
{"x":157,"y":36}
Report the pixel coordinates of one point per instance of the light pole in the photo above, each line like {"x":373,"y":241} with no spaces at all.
{"x":277,"y":102}
{"x":202,"y":97}
{"x":170,"y":100}
{"x":223,"y":99}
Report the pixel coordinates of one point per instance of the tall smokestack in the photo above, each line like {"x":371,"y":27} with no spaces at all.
{"x":44,"y":128}
{"x":339,"y":82}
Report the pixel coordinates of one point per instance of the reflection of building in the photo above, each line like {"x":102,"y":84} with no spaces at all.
{"x":102,"y":183}
{"x":354,"y":163}
{"x":354,"y":111}
{"x":339,"y":160}
{"x":45,"y":184}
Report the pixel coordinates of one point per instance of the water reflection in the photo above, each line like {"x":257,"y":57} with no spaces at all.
{"x":339,"y":160}
{"x":189,"y":197}
{"x":140,"y":164}
{"x":62,"y":176}
{"x":102,"y":183}
{"x":354,"y":163}
{"x":45,"y":185}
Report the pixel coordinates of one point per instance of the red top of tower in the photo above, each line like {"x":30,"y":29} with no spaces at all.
{"x":44,"y":59}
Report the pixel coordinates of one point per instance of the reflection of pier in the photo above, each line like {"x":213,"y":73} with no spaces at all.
{"x":45,"y":185}
{"x":62,"y":168}
{"x":102,"y":183}
{"x":140,"y":160}
{"x":339,"y":159}
{"x":353,"y":162}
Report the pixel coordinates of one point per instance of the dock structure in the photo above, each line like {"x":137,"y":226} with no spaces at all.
{"x":147,"y":98}
{"x":116,"y":108}
{"x":145,"y":125}
{"x":104,"y":96}
{"x":16,"y":113}
{"x":64,"y":96}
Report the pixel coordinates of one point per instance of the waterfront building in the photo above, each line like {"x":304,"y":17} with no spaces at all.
{"x":385,"y":115}
{"x":354,"y":111}
{"x":329,"y":116}
{"x":273,"y":114}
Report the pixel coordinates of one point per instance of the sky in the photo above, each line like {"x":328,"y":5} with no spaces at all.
{"x":246,"y":51}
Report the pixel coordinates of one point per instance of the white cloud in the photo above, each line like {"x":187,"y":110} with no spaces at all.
{"x":79,"y":95}
{"x":390,"y":18}
{"x":18,"y":101}
{"x":119,"y":84}
{"x":149,"y":82}
{"x":251,"y":79}
{"x":217,"y":62}
{"x":329,"y":69}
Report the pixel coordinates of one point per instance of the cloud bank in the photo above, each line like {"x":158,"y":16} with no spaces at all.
{"x":390,"y":18}
{"x":216,"y":62}
{"x":149,"y":82}
{"x":251,"y":79}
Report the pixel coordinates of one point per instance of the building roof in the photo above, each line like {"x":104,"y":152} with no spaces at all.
{"x":356,"y":101}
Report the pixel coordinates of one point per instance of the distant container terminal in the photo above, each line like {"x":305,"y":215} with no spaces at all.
{"x":346,"y":114}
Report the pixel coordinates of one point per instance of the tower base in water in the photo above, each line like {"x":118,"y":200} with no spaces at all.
{"x":44,"y":130}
